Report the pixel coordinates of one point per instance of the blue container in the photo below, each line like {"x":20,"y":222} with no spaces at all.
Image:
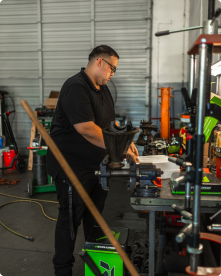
{"x":1,"y":142}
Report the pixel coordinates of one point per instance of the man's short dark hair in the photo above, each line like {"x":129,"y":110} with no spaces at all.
{"x":102,"y":51}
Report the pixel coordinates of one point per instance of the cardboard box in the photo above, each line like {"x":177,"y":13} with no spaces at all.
{"x":205,"y":149}
{"x":51,"y":102}
{"x":205,"y":158}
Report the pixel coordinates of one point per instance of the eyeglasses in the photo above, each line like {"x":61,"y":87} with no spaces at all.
{"x":113,"y":68}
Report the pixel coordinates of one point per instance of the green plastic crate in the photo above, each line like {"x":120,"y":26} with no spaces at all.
{"x":103,"y":253}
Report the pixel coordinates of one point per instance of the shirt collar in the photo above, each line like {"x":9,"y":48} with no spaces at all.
{"x":90,"y":82}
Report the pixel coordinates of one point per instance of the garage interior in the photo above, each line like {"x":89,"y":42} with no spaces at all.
{"x":163,"y":212}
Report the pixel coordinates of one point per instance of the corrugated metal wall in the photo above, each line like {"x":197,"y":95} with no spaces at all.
{"x":46,"y":41}
{"x":125,"y":25}
{"x":19,"y":61}
{"x":66,"y":40}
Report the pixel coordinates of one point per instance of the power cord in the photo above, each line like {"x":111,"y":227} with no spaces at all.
{"x":23,"y":199}
{"x":8,"y":95}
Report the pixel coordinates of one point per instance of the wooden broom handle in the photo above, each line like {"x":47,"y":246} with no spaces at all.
{"x":80,"y":189}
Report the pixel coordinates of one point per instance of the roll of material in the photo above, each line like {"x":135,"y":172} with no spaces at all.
{"x":39,"y":169}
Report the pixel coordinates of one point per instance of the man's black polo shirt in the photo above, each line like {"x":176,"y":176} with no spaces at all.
{"x":79,"y":101}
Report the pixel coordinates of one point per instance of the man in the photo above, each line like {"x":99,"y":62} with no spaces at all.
{"x":84,"y":108}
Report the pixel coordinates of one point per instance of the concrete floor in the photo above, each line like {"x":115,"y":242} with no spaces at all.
{"x":19,"y":256}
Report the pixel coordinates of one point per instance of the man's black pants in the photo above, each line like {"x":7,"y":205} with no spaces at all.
{"x":64,"y":246}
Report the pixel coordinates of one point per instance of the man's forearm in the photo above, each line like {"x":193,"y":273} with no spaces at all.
{"x":92,"y":133}
{"x":95,"y":139}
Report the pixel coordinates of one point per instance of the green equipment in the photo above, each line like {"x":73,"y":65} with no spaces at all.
{"x":174,"y":146}
{"x":41,"y":183}
{"x":210,"y":122}
{"x":103,"y":253}
{"x":210,"y":184}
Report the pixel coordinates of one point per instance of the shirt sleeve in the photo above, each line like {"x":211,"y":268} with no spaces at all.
{"x":77,"y":105}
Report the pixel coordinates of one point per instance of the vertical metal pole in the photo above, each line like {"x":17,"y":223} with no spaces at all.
{"x":40,"y":59}
{"x":208,"y":29}
{"x":188,"y":192}
{"x":188,"y":184}
{"x":151,"y":242}
{"x":199,"y":139}
{"x":149,"y":80}
{"x":92,"y":25}
{"x":218,"y":85}
{"x":1,"y":118}
{"x":165,"y":111}
{"x":211,"y":9}
{"x":192,"y":74}
{"x":208,"y":81}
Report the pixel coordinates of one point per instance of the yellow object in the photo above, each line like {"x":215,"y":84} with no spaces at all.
{"x":218,"y":139}
{"x":181,"y":134}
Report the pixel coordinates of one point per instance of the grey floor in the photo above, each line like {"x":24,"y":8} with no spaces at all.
{"x":19,"y":256}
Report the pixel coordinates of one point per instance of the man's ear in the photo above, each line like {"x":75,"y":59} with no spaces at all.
{"x":99,"y":60}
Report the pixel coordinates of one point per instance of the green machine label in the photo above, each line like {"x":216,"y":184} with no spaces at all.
{"x":108,"y":271}
{"x":205,"y":179}
{"x":104,"y":247}
{"x":105,"y":237}
{"x":108,"y":264}
{"x":104,"y":254}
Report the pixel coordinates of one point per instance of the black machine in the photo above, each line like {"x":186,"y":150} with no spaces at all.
{"x":21,"y":164}
{"x":45,"y":112}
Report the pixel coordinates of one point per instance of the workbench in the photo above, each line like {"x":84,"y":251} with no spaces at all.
{"x":209,"y":204}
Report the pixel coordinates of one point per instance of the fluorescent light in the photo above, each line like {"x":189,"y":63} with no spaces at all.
{"x":216,"y":68}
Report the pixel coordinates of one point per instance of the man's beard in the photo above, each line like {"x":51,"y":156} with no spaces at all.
{"x":104,"y":82}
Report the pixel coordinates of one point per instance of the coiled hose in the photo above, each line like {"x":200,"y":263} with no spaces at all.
{"x":23,"y":199}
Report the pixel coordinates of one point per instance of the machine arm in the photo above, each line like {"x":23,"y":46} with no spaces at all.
{"x":167,"y":32}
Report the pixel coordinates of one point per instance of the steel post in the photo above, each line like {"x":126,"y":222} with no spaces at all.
{"x":188,"y":192}
{"x":192,"y":74}
{"x":40,"y":55}
{"x":211,"y":8}
{"x":199,"y":139}
{"x":151,"y":242}
{"x":188,"y":184}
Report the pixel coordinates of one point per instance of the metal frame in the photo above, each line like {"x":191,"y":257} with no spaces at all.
{"x":199,"y":136}
{"x":209,"y":204}
{"x":40,"y":58}
{"x":149,"y":80}
{"x":192,"y":72}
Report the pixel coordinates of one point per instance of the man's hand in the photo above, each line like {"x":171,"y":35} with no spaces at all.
{"x":133,"y":153}
{"x":134,"y":149}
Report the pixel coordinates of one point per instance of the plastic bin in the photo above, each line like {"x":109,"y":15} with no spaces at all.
{"x":8,"y":156}
{"x":103,"y":253}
